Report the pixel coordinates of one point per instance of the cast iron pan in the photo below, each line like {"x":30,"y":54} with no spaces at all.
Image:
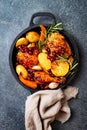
{"x":35,"y":27}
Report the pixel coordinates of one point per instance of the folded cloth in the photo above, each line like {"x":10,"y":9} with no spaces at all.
{"x":45,"y":106}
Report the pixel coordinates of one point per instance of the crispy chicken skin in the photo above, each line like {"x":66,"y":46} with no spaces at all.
{"x":29,"y":60}
{"x":42,"y":77}
{"x":57,"y":40}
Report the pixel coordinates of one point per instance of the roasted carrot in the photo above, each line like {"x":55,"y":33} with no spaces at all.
{"x":30,"y":84}
{"x":71,"y":59}
{"x":43,"y":33}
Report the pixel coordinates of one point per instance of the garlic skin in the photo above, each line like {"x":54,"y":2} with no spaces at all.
{"x":53,"y":85}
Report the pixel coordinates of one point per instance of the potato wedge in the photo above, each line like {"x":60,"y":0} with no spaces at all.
{"x":20,"y":69}
{"x":32,"y":36}
{"x":44,"y":61}
{"x":20,"y":55}
{"x":21,"y":41}
{"x":60,"y":69}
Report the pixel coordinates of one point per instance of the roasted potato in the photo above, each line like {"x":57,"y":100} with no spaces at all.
{"x":44,"y":61}
{"x":32,"y":36}
{"x":21,"y":41}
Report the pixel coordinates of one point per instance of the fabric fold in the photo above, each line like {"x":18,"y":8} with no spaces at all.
{"x":43,"y":107}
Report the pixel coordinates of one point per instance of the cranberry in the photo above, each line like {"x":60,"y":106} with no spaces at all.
{"x":36,"y":52}
{"x":17,"y":63}
{"x":31,"y":79}
{"x":50,"y":73}
{"x":31,"y":75}
{"x":25,"y":66}
{"x":20,"y":62}
{"x":28,"y":78}
{"x":51,"y":58}
{"x":30,"y":70}
{"x":48,"y":49}
{"x":54,"y":53}
{"x":30,"y":52}
{"x":61,"y":53}
{"x":24,"y":47}
{"x":21,"y":49}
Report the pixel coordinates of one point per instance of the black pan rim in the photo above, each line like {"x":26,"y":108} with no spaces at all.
{"x":36,"y":27}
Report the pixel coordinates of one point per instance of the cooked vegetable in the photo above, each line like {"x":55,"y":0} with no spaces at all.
{"x":60,"y":69}
{"x":30,"y":84}
{"x":32,"y":36}
{"x":21,"y":41}
{"x":20,"y":69}
{"x":44,"y":61}
{"x":71,"y":59}
{"x":20,"y":55}
{"x":43,"y":33}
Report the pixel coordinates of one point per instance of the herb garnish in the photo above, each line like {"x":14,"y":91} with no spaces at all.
{"x":54,"y":28}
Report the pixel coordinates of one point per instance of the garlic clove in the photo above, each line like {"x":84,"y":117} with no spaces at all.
{"x":53,"y":85}
{"x":43,"y":50}
{"x":31,"y":45}
{"x":36,"y":67}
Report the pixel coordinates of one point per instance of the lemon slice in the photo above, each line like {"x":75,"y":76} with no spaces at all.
{"x":60,"y":69}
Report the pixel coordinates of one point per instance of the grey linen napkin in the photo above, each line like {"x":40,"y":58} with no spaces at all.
{"x":43,"y":107}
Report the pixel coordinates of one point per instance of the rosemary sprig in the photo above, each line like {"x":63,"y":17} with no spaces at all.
{"x":62,"y":58}
{"x":54,"y":28}
{"x":72,"y":66}
{"x":40,"y":45}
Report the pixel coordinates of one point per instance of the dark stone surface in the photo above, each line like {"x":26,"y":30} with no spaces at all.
{"x":14,"y":17}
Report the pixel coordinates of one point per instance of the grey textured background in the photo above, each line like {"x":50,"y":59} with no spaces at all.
{"x":14,"y":17}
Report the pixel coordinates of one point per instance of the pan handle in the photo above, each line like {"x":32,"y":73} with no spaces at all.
{"x":41,"y":14}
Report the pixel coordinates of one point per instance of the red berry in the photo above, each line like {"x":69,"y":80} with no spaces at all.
{"x":30,"y":52}
{"x":48,"y":49}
